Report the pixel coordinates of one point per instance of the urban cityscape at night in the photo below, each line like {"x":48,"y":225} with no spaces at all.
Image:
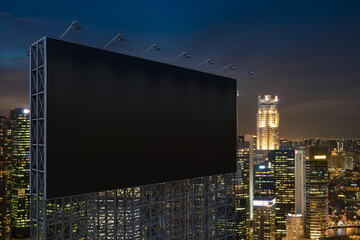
{"x":180,"y":120}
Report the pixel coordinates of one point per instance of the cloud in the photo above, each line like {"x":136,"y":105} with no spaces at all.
{"x":14,"y":90}
{"x":6,"y":14}
{"x":14,"y":59}
{"x":331,"y":117}
{"x":26,"y":19}
{"x":19,"y":19}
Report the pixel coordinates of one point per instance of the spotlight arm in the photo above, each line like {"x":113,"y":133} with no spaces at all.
{"x":231,"y":66}
{"x":68,"y":29}
{"x":117,"y":36}
{"x":209,"y":60}
{"x":181,"y":54}
{"x":152,"y":46}
{"x":75,"y":25}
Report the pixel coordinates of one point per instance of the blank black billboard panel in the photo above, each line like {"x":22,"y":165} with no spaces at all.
{"x":116,"y":121}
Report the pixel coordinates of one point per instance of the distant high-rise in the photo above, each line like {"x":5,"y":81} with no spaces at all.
{"x":242,"y":190}
{"x":284,"y":187}
{"x":5,"y":168}
{"x":252,"y":156}
{"x":264,"y":180}
{"x":316,"y":185}
{"x":300,"y":157}
{"x":267,"y":123}
{"x":20,"y":195}
{"x":264,"y":218}
{"x":242,"y":223}
{"x":294,"y":226}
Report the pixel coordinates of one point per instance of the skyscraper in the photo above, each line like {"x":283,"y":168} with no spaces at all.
{"x":252,"y":156}
{"x":284,"y":187}
{"x":300,"y":156}
{"x":264,"y":218}
{"x":20,"y":196}
{"x":264,"y":180}
{"x":316,"y":185}
{"x":5,"y":168}
{"x":267,"y":125}
{"x":242,"y":190}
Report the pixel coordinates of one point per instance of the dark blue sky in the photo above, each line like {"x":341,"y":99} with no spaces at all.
{"x":307,"y":52}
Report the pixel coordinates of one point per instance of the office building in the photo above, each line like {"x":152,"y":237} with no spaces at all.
{"x":264,"y":218}
{"x":20,"y":195}
{"x":284,"y":187}
{"x":5,"y":168}
{"x":294,"y":226}
{"x":264,"y":180}
{"x":242,"y":189}
{"x":316,"y":186}
{"x":300,"y":156}
{"x":252,"y":139}
{"x":267,"y":123}
{"x":242,"y":221}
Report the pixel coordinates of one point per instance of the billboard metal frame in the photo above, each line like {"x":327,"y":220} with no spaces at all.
{"x":196,"y":208}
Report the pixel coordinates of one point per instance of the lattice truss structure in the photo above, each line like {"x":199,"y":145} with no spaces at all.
{"x":197,"y":208}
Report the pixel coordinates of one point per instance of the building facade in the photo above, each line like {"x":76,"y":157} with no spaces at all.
{"x":294,"y":226}
{"x":267,"y":123}
{"x":252,"y":139}
{"x":242,"y":189}
{"x":300,"y":156}
{"x":264,"y":180}
{"x":264,"y":218}
{"x":5,"y":168}
{"x":20,"y":195}
{"x":284,"y":187}
{"x":316,"y":187}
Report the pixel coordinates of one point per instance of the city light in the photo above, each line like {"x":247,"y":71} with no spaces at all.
{"x":320,"y":157}
{"x":260,"y":203}
{"x":294,"y":215}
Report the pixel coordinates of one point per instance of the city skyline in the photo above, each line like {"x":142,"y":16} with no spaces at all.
{"x":123,"y":126}
{"x":306,"y":53}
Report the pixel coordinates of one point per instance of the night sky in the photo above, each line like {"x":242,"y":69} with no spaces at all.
{"x":306,"y":52}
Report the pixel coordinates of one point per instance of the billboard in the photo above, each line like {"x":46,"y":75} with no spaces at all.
{"x":116,"y":121}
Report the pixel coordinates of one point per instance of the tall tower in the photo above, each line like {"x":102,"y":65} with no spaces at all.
{"x":300,"y":156}
{"x":5,"y":167}
{"x":252,"y":156}
{"x":267,"y":123}
{"x":20,"y":195}
{"x":242,"y":190}
{"x":316,"y":186}
{"x":264,"y":218}
{"x":284,"y":187}
{"x":264,"y":180}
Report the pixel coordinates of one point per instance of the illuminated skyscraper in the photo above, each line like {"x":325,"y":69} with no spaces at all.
{"x":316,"y":185}
{"x":252,"y":157}
{"x":284,"y":187}
{"x":264,"y":218}
{"x":242,"y":189}
{"x":20,"y":196}
{"x":264,"y":180}
{"x":5,"y":168}
{"x":300,"y":157}
{"x":267,"y":123}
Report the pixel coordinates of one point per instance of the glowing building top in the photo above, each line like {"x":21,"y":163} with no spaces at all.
{"x":267,"y":122}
